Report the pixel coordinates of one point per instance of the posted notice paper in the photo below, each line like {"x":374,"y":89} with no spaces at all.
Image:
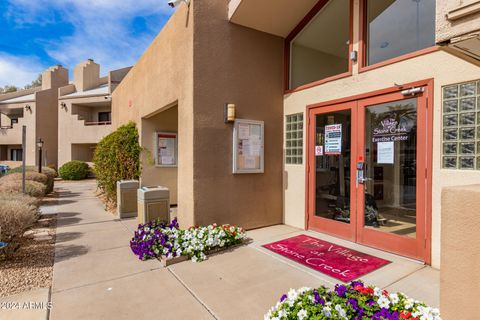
{"x":385,"y":152}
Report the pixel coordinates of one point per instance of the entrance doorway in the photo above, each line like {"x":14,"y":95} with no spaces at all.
{"x":368,"y":171}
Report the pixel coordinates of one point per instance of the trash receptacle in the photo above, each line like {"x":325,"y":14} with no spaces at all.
{"x":127,"y":198}
{"x":4,"y":169}
{"x":153,"y":203}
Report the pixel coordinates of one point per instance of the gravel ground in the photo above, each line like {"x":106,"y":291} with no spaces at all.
{"x":31,"y":266}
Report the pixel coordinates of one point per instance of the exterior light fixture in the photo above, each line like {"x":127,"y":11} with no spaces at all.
{"x":40,"y":146}
{"x":229,"y":113}
{"x":63,"y":105}
{"x":28,"y":108}
{"x":176,"y":3}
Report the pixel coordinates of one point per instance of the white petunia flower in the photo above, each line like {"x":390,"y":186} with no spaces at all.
{"x":302,"y":314}
{"x":394,"y":298}
{"x":383,"y":302}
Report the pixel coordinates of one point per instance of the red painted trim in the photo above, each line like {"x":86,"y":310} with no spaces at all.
{"x":398,"y":59}
{"x":362,"y":47}
{"x":308,"y":17}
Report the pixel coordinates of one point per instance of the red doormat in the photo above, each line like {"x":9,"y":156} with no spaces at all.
{"x":336,"y":261}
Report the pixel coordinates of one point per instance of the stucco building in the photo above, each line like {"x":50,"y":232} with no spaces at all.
{"x":369,"y":111}
{"x":36,"y":108}
{"x":84,"y":111}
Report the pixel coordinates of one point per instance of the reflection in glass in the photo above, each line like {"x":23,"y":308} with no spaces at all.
{"x":467,"y":104}
{"x":450,"y":106}
{"x":332,"y":183}
{"x":467,"y":118}
{"x":450,"y":134}
{"x":450,"y":92}
{"x":467,"y":148}
{"x":450,"y":162}
{"x":390,"y":189}
{"x":467,"y":162}
{"x":467,"y":133}
{"x":398,"y":27}
{"x":467,"y":89}
{"x":450,"y":120}
{"x":450,"y":148}
{"x":321,"y":49}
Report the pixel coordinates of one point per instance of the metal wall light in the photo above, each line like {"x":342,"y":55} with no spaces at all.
{"x":229,"y":112}
{"x":63,"y":105}
{"x":28,"y":108}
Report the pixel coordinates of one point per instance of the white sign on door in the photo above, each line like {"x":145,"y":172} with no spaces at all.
{"x":333,"y":139}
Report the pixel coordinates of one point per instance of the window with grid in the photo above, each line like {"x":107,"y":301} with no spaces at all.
{"x":294,"y":139}
{"x":461,"y":126}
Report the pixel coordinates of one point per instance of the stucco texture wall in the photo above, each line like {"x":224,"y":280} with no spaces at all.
{"x":162,"y":77}
{"x":447,"y":29}
{"x":242,"y":66}
{"x":459,"y":277}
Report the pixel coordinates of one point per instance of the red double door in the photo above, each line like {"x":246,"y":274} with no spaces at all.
{"x":369,"y":170}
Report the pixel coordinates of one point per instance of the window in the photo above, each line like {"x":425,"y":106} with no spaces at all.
{"x":104,"y":116}
{"x":321,"y":49}
{"x":398,"y":27}
{"x":461,"y":126}
{"x":294,"y":139}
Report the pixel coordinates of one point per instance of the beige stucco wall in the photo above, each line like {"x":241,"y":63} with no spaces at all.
{"x":72,"y":130}
{"x":242,"y":66}
{"x":459,"y":277}
{"x":162,"y":77}
{"x":447,"y":29}
{"x":165,"y":121}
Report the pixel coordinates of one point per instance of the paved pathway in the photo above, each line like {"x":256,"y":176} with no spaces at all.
{"x":97,"y":277}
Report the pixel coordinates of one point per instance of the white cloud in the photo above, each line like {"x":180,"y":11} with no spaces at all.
{"x":18,"y":71}
{"x":102,"y":28}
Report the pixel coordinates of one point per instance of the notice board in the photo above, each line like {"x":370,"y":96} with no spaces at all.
{"x":166,"y":149}
{"x":248,"y":146}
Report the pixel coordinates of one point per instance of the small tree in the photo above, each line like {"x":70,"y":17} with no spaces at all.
{"x":117,"y":157}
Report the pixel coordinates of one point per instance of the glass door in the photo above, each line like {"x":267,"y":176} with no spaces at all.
{"x":391,"y":174}
{"x":331,"y":178}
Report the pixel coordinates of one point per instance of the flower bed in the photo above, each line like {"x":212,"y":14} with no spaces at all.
{"x":161,"y":240}
{"x":354,"y":301}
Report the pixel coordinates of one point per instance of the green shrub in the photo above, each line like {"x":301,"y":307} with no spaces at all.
{"x":117,"y":157}
{"x":74,"y":170}
{"x":49,"y":172}
{"x":29,"y":175}
{"x":16,"y":216}
{"x":32,"y":188}
{"x":31,"y":201}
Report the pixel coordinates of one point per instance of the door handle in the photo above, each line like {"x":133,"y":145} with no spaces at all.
{"x":363,"y":180}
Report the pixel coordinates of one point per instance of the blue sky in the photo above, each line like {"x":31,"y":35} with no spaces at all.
{"x":36,"y":34}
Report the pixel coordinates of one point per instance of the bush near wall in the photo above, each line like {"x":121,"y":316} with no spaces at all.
{"x":29,"y":175}
{"x":32,"y":188}
{"x":49,"y":172}
{"x":117,"y":157}
{"x":17,"y":214}
{"x":74,"y":170}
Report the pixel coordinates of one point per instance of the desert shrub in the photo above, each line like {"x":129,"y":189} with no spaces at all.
{"x":117,"y":157}
{"x":15,"y":217}
{"x":74,"y":170}
{"x":49,"y":172}
{"x":24,"y":198}
{"x":32,"y":188}
{"x":29,"y":175}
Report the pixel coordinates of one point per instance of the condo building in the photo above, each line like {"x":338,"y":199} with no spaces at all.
{"x":84,"y":111}
{"x":35,"y":108}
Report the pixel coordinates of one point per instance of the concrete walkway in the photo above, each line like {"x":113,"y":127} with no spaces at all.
{"x":96,"y":276}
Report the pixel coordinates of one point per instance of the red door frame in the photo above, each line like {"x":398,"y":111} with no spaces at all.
{"x":421,"y":250}
{"x":339,"y":229}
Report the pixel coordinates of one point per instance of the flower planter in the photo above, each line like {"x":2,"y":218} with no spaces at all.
{"x":171,"y":261}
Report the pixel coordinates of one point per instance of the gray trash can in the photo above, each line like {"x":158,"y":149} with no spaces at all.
{"x":127,"y":198}
{"x":153,"y":203}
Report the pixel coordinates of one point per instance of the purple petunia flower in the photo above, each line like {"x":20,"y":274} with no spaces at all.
{"x":340,"y":290}
{"x":283,"y":297}
{"x":318,"y":299}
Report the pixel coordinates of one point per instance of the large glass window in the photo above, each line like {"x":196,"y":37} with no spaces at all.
{"x":398,"y":27}
{"x":320,"y":50}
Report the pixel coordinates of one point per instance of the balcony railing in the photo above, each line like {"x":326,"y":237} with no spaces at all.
{"x":101,"y":123}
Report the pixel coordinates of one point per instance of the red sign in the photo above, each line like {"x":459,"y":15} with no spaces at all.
{"x":336,"y":261}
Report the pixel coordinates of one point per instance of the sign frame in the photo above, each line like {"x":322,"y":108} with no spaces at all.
{"x":239,"y":133}
{"x":170,"y":136}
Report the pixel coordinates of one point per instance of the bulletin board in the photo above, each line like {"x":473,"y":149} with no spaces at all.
{"x":248,"y":146}
{"x":166,"y":149}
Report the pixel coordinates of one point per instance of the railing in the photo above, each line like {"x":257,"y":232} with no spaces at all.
{"x":101,"y":123}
